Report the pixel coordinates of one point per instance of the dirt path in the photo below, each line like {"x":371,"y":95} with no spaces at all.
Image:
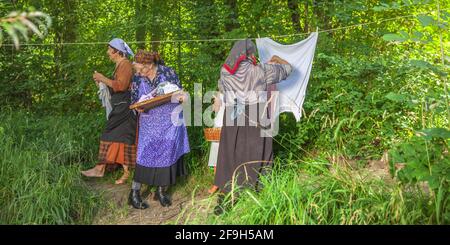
{"x":119,"y":212}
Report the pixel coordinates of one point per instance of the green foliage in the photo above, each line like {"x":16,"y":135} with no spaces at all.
{"x":371,"y":88}
{"x":425,"y":155}
{"x":18,"y":25}
{"x":40,"y":182}
{"x":426,"y":159}
{"x":312,"y":194}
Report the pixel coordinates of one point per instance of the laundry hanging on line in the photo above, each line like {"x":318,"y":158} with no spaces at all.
{"x":300,"y":55}
{"x":105,"y":97}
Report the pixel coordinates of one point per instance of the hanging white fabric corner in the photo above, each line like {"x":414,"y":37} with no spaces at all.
{"x":300,"y":55}
{"x":105,"y":97}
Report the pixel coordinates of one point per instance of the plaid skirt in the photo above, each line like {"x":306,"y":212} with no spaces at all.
{"x":117,"y":153}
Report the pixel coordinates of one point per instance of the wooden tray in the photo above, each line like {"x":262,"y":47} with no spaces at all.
{"x":153,"y":102}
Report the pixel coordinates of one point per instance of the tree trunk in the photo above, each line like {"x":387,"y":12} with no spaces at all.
{"x":141,"y":7}
{"x":233,"y":21}
{"x":156,"y":10}
{"x":65,"y":13}
{"x":319,"y":13}
{"x":306,"y":25}
{"x":295,"y":16}
{"x":179,"y":70}
{"x":65,"y":29}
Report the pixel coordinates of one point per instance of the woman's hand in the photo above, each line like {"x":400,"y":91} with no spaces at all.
{"x":98,"y":77}
{"x":217,"y":104}
{"x":277,"y":60}
{"x":179,"y":96}
{"x":274,"y":59}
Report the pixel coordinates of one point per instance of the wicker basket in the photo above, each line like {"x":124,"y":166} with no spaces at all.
{"x":212,"y":134}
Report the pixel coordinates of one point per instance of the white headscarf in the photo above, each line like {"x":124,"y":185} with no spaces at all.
{"x":121,"y":45}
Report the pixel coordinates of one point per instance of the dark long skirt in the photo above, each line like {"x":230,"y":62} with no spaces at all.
{"x":117,"y":142}
{"x":160,"y":176}
{"x":238,"y":146}
{"x":121,"y":124}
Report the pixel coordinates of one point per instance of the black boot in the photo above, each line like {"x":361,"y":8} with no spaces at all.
{"x":162,"y":196}
{"x":135,"y":200}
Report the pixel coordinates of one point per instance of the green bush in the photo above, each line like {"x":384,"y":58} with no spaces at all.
{"x":425,"y":158}
{"x":313,"y":194}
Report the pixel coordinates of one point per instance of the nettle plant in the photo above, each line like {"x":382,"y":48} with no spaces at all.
{"x":424,"y":157}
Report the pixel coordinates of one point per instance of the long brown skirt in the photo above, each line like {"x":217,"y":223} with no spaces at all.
{"x":238,"y":146}
{"x":116,"y":153}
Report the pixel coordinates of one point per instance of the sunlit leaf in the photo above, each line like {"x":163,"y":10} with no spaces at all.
{"x":445,"y":15}
{"x":420,"y":63}
{"x":23,"y":23}
{"x":418,"y":34}
{"x":11,"y":32}
{"x":32,"y":27}
{"x":426,"y":20}
{"x":379,"y":8}
{"x":404,"y":34}
{"x":430,"y":133}
{"x":443,"y":25}
{"x":22,"y":30}
{"x":396,"y":97}
{"x":393,"y":37}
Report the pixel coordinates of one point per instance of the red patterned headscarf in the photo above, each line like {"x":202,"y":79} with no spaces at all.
{"x":241,"y":50}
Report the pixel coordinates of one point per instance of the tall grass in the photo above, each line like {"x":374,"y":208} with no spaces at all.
{"x":311,"y":193}
{"x":40,"y":159}
{"x":40,"y":182}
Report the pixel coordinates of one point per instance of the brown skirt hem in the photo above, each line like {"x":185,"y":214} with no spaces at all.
{"x":116,"y":153}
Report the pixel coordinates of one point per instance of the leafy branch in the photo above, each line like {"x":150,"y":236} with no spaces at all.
{"x":23,"y":24}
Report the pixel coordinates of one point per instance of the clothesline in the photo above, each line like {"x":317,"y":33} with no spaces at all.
{"x":231,"y":39}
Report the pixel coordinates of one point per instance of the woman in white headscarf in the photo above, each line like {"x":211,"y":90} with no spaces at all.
{"x":117,"y":142}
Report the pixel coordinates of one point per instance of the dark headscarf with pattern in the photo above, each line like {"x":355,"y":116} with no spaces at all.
{"x":241,"y":50}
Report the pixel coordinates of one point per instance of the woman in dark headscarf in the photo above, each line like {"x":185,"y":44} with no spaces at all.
{"x":117,"y":143}
{"x":244,"y":150}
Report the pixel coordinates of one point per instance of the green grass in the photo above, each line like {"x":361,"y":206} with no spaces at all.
{"x":40,"y":182}
{"x":309,"y":193}
{"x":40,"y":161}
